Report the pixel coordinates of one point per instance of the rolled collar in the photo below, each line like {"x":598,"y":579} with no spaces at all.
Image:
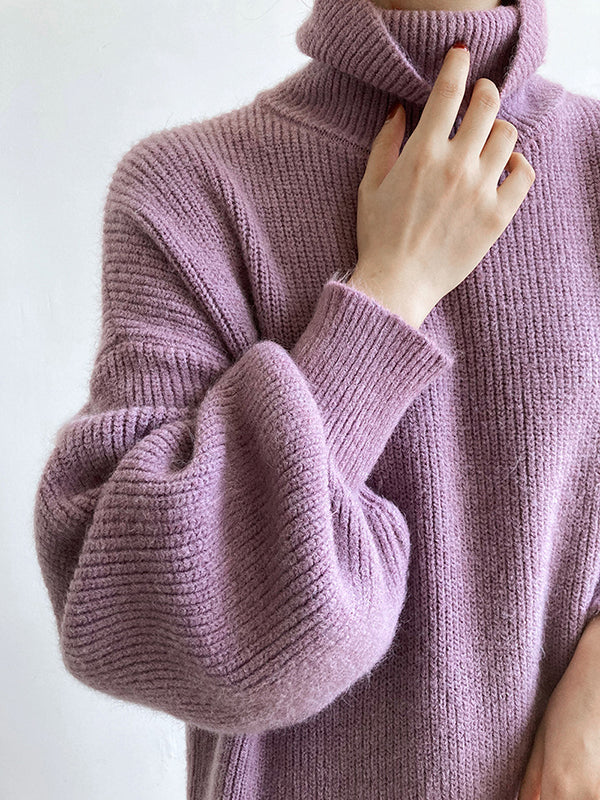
{"x":364,"y":58}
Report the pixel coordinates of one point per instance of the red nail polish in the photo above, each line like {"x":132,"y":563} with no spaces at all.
{"x":460,"y":44}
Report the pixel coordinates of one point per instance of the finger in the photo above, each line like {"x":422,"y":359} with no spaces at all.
{"x":511,"y":193}
{"x":479,"y":118}
{"x":498,"y":148}
{"x":444,"y":101}
{"x":385,"y":148}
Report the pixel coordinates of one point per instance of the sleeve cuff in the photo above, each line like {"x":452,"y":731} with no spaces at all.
{"x":364,"y":365}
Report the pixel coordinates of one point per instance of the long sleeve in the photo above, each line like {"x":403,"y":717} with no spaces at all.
{"x":203,"y":526}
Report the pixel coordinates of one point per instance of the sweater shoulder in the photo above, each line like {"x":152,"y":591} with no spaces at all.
{"x":162,"y":167}
{"x":572,"y":125}
{"x":580,"y":131}
{"x":182,"y":196}
{"x":577,"y":110}
{"x":581,"y":107}
{"x":211,"y":155}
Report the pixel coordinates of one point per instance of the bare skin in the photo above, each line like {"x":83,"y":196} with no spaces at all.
{"x":426,"y":217}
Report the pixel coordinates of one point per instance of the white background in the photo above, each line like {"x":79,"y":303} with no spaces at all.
{"x":80,"y":83}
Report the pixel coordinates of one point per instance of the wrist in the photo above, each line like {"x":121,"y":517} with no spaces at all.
{"x":405,"y":303}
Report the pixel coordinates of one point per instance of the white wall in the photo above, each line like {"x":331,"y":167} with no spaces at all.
{"x":80,"y":82}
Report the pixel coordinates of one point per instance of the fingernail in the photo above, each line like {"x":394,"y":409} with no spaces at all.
{"x":460,"y":44}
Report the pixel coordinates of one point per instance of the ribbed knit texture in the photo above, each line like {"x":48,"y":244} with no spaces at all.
{"x":354,"y":557}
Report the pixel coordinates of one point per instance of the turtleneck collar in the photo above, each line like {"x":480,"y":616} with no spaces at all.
{"x":364,"y":58}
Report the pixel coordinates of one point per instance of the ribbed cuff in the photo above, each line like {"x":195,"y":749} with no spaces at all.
{"x":364,"y":365}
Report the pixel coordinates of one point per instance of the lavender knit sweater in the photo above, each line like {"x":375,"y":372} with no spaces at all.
{"x":354,"y":557}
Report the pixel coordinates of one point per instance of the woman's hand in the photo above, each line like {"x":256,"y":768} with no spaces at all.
{"x":564,"y":763}
{"x":427,"y":217}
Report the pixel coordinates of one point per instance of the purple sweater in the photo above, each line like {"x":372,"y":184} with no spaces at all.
{"x":353,"y":557}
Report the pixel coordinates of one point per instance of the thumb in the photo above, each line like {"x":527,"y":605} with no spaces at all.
{"x":386,"y":146}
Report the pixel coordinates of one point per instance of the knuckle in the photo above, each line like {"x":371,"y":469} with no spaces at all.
{"x":448,"y":87}
{"x":507,"y":129}
{"x":486,"y":93}
{"x":453,"y":170}
{"x":487,"y":99}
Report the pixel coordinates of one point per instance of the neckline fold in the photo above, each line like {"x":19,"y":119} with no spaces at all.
{"x":364,"y":58}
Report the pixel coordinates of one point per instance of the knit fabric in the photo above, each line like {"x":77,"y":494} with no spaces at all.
{"x":354,"y":557}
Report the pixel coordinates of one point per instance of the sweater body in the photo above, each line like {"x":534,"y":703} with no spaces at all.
{"x":494,"y":466}
{"x":353,"y":557}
